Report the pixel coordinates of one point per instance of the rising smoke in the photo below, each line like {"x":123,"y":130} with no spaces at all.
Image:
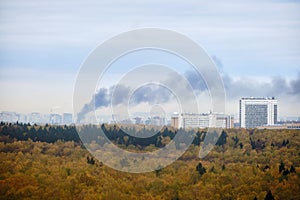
{"x":235,"y":88}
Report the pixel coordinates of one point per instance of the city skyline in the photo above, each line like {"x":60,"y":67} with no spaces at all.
{"x":193,"y":119}
{"x":37,"y":118}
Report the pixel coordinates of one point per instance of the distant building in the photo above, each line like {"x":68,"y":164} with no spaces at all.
{"x":138,"y":120}
{"x":67,"y":118}
{"x":205,"y":120}
{"x":281,"y":126}
{"x":193,"y":120}
{"x":8,"y":117}
{"x":175,"y":120}
{"x":55,"y":119}
{"x":222,"y":121}
{"x":254,"y":112}
{"x":22,"y":118}
{"x":293,"y":126}
{"x":36,"y":117}
{"x":157,"y":121}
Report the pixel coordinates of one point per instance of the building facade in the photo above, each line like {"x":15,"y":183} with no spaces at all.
{"x":175,"y":120}
{"x":254,"y":112}
{"x":282,"y":126}
{"x":204,"y":120}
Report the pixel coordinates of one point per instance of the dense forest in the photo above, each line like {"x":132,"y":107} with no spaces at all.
{"x":119,"y":135}
{"x":50,"y":162}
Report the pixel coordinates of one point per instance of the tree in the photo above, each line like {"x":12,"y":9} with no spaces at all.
{"x":212,"y":169}
{"x":285,"y":142}
{"x":266,"y":167}
{"x":223,"y":167}
{"x":281,"y":167}
{"x":201,"y":170}
{"x":90,"y":161}
{"x":292,"y":169}
{"x":269,"y":196}
{"x":285,"y":172}
{"x":158,"y":171}
{"x":241,"y":145}
{"x":222,"y":139}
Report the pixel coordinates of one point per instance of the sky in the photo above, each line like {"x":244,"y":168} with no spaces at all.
{"x":255,"y":45}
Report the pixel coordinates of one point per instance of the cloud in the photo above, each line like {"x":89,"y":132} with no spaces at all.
{"x":195,"y":80}
{"x":274,"y":86}
{"x":295,"y":84}
{"x":118,"y":94}
{"x":236,"y":87}
{"x":244,"y":86}
{"x":100,"y":99}
{"x":45,"y":34}
{"x":152,"y":94}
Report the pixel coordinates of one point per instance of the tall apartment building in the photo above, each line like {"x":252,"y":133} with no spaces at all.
{"x":175,"y":120}
{"x":254,"y":112}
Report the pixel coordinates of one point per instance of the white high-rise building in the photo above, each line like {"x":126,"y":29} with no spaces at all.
{"x":256,"y":112}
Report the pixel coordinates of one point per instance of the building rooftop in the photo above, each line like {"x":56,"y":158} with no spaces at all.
{"x":258,"y":98}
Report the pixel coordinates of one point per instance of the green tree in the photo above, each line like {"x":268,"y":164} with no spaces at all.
{"x":281,"y":167}
{"x":269,"y":196}
{"x":90,"y":161}
{"x":201,"y":170}
{"x":292,"y":169}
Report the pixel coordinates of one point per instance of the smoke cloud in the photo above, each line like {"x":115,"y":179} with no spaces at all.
{"x":119,"y":94}
{"x":295,"y":84}
{"x":152,"y":94}
{"x":235,"y":88}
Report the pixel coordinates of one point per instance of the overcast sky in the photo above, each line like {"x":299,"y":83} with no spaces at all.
{"x":256,"y":45}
